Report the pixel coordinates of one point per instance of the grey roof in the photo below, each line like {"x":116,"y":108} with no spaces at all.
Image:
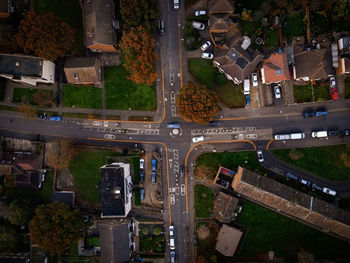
{"x":114,"y":241}
{"x":112,"y":191}
{"x":20,"y":65}
{"x":98,"y":19}
{"x":66,"y":197}
{"x":290,"y":54}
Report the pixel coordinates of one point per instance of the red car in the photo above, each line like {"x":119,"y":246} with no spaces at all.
{"x":335,"y":94}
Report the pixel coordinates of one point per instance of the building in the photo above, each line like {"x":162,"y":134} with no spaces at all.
{"x":275,"y":69}
{"x":26,"y":69}
{"x":100,"y":25}
{"x":224,"y":207}
{"x":312,"y":64}
{"x":344,"y":55}
{"x":66,"y":197}
{"x":236,"y":59}
{"x":22,"y":170}
{"x":116,"y":240}
{"x":6,"y":8}
{"x":221,"y":7}
{"x":83,"y":71}
{"x":228,"y":240}
{"x":115,"y":190}
{"x":295,"y":204}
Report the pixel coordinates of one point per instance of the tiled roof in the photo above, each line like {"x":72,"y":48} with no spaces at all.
{"x":221,"y":6}
{"x":275,"y":68}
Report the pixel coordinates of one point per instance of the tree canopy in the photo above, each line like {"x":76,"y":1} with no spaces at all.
{"x":55,"y":227}
{"x":196,"y":103}
{"x":45,"y":36}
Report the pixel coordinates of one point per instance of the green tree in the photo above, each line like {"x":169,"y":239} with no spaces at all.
{"x":21,"y":211}
{"x":8,"y":238}
{"x":55,"y":227}
{"x":196,"y":103}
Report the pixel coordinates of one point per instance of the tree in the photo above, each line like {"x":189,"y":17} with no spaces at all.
{"x":43,"y":98}
{"x":195,"y":103}
{"x":21,"y":211}
{"x":5,"y":211}
{"x":59,"y":155}
{"x":45,"y":36}
{"x":8,"y":238}
{"x":55,"y":227}
{"x":137,"y":47}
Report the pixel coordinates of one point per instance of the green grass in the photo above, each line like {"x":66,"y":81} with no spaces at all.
{"x":321,"y":93}
{"x":323,"y":161}
{"x":122,"y":93}
{"x":151,"y":243}
{"x":272,"y":38}
{"x":46,"y":190}
{"x":2,"y":88}
{"x":136,"y":174}
{"x":294,"y":26}
{"x":26,"y":95}
{"x":267,"y":230}
{"x":137,"y":197}
{"x":302,"y":93}
{"x":248,"y":27}
{"x":230,"y":160}
{"x":70,"y":11}
{"x":203,"y":202}
{"x":93,"y":241}
{"x":4,"y":107}
{"x":85,"y":168}
{"x":229,"y":94}
{"x":81,"y":97}
{"x":347,"y":88}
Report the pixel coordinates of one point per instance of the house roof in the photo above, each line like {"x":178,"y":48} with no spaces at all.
{"x":314,"y":63}
{"x":98,"y":19}
{"x":114,"y":241}
{"x":221,"y":6}
{"x":285,"y":199}
{"x":235,"y":61}
{"x":82,"y":70}
{"x":275,"y":68}
{"x":224,"y":207}
{"x":219,"y":22}
{"x":5,"y":6}
{"x":66,"y":197}
{"x":228,"y":240}
{"x":344,"y":44}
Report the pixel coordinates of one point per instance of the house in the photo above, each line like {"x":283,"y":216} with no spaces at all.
{"x":66,"y":197}
{"x":275,"y":68}
{"x":236,"y":59}
{"x":344,"y":45}
{"x":100,"y":25}
{"x":83,"y":70}
{"x":116,"y":240}
{"x":312,"y":64}
{"x":228,"y":240}
{"x":292,"y":203}
{"x":26,"y":69}
{"x":115,"y":190}
{"x":344,"y":55}
{"x":22,"y":170}
{"x":6,"y":8}
{"x":224,"y":207}
{"x":344,"y":65}
{"x":221,"y":7}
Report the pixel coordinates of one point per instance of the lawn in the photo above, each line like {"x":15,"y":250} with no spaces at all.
{"x":272,"y":38}
{"x":206,"y":247}
{"x":2,"y":88}
{"x":248,"y":28}
{"x":230,"y":160}
{"x":81,"y":96}
{"x":122,"y":93}
{"x":302,"y":93}
{"x":267,"y":230}
{"x":331,"y":162}
{"x":229,"y":94}
{"x":150,"y":242}
{"x":70,"y":11}
{"x":347,"y":88}
{"x":203,"y":202}
{"x":26,"y":95}
{"x":136,"y":174}
{"x":321,"y":93}
{"x":294,"y":26}
{"x":137,"y":197}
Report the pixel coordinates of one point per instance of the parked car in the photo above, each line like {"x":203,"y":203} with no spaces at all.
{"x":289,"y":175}
{"x":182,"y":171}
{"x":172,"y":256}
{"x":154,"y":177}
{"x":319,"y":134}
{"x":176,"y":4}
{"x":174,"y":125}
{"x":316,"y":187}
{"x":305,"y":182}
{"x":171,"y":230}
{"x":161,"y":26}
{"x":55,"y":118}
{"x":277,"y":90}
{"x":198,"y":139}
{"x":335,"y":94}
{"x":333,"y":132}
{"x":260,"y":156}
{"x":142,"y":163}
{"x":321,"y":113}
{"x":246,"y":86}
{"x":247,"y":99}
{"x":142,"y":194}
{"x":200,"y":13}
{"x":198,"y":25}
{"x":255,"y":79}
{"x":154,"y":164}
{"x":345,"y":132}
{"x":308,"y":114}
{"x":207,"y":55}
{"x":329,"y":191}
{"x":332,"y":82}
{"x":42,"y":116}
{"x":205,"y":45}
{"x":142,"y":177}
{"x":172,"y":243}
{"x":214,"y":123}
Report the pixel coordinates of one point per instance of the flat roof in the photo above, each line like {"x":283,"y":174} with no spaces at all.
{"x":228,"y":240}
{"x":20,"y":65}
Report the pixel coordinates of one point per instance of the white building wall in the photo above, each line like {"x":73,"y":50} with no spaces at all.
{"x":48,"y":74}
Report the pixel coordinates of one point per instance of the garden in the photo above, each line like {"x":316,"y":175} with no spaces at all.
{"x":203,"y":203}
{"x":302,"y":93}
{"x":152,"y":239}
{"x":206,"y":240}
{"x":81,"y":96}
{"x":33,"y":96}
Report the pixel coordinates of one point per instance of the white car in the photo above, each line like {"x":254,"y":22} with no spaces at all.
{"x":171,"y":230}
{"x":176,"y":4}
{"x":142,"y":163}
{"x":198,"y":25}
{"x":200,"y":13}
{"x":277,"y":90}
{"x":260,"y":156}
{"x":198,"y":139}
{"x":205,"y":45}
{"x":329,"y":191}
{"x":332,"y":82}
{"x":207,"y":55}
{"x":255,"y":79}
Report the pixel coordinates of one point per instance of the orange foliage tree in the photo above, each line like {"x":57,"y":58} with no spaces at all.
{"x":55,"y":227}
{"x":45,"y":36}
{"x":137,"y":47}
{"x":196,"y":103}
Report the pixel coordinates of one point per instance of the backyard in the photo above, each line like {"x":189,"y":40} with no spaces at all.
{"x":267,"y":230}
{"x":26,"y":95}
{"x":123,"y":94}
{"x":321,"y":92}
{"x":302,"y":93}
{"x":295,"y":26}
{"x":229,"y":94}
{"x":81,"y":97}
{"x":331,"y":162}
{"x":152,"y":240}
{"x":203,"y":203}
{"x":272,"y":38}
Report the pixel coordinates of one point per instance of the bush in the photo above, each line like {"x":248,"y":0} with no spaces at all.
{"x":192,"y":38}
{"x":157,"y":231}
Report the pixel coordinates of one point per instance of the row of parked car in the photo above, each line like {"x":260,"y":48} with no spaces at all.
{"x":172,"y":243}
{"x":43,"y":116}
{"x":142,"y":174}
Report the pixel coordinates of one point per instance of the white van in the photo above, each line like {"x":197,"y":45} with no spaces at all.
{"x":297,"y":136}
{"x":176,"y":4}
{"x":280,"y":137}
{"x":329,"y":191}
{"x":319,"y":134}
{"x":172,"y":243}
{"x":246,"y":87}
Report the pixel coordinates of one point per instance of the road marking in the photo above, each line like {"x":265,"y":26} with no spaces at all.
{"x":183,"y":189}
{"x":109,"y":136}
{"x":172,"y":199}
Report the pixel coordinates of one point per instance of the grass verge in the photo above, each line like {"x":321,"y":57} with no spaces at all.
{"x":203,"y":202}
{"x":302,"y":93}
{"x":331,"y":162}
{"x":81,"y":97}
{"x":137,"y":197}
{"x":140,"y":118}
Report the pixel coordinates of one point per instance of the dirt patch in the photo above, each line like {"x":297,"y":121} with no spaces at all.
{"x":203,"y":232}
{"x":13,"y":145}
{"x":268,"y":95}
{"x":254,"y":97}
{"x":64,"y":180}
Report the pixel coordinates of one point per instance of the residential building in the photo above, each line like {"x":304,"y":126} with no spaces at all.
{"x":295,"y":204}
{"x":26,"y":69}
{"x":221,"y":7}
{"x":312,"y":64}
{"x":83,"y":71}
{"x":228,"y":240}
{"x":344,"y":55}
{"x":67,"y":197}
{"x":116,"y":240}
{"x":224,"y":207}
{"x":344,"y":65}
{"x":275,"y":69}
{"x":22,"y":170}
{"x":115,"y":190}
{"x":344,"y":45}
{"x":100,"y":25}
{"x":6,"y":8}
{"x":236,"y":59}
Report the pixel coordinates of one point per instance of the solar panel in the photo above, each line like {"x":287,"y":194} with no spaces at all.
{"x":242,"y":62}
{"x":233,"y":55}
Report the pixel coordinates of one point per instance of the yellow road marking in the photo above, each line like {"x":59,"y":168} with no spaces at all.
{"x":268,"y":144}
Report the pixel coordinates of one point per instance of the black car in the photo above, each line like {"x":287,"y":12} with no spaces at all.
{"x":182,"y":171}
{"x":308,"y":114}
{"x":289,"y":175}
{"x":317,"y":187}
{"x":345,"y":132}
{"x":161,"y":26}
{"x":333,"y":132}
{"x":142,"y":177}
{"x":42,"y":116}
